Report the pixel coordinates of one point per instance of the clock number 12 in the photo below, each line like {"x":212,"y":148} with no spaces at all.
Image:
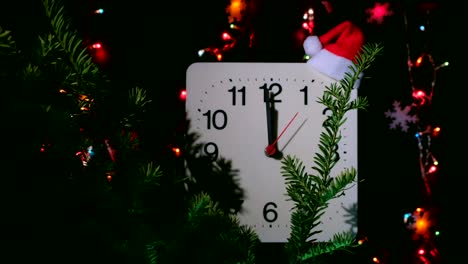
{"x":275,"y":89}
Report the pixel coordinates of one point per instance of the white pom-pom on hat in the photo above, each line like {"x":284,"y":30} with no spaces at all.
{"x":335,"y":51}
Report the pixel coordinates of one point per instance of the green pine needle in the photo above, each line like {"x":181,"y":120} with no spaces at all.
{"x":312,"y":193}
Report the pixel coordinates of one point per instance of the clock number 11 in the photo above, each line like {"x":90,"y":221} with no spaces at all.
{"x":234,"y":92}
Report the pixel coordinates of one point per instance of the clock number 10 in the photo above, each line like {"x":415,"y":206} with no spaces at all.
{"x":217,"y":119}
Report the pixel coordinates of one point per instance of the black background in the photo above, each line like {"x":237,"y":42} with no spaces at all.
{"x":153,"y":44}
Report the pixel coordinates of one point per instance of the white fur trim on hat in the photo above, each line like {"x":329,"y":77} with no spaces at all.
{"x":312,"y":45}
{"x":332,"y":65}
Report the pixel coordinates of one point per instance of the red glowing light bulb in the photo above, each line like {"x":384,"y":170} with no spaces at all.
{"x":226,"y":36}
{"x":176,"y":151}
{"x":183,"y":95}
{"x":97,"y":45}
{"x":419,"y":61}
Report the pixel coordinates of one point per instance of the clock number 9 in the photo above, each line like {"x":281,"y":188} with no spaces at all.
{"x":210,"y":149}
{"x":270,"y":215}
{"x":218,"y":119}
{"x":275,"y":88}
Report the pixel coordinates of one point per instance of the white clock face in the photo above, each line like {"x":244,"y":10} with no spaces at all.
{"x":226,"y":106}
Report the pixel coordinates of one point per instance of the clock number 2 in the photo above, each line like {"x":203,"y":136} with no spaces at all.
{"x":275,"y":89}
{"x":217,"y":119}
{"x":270,"y":215}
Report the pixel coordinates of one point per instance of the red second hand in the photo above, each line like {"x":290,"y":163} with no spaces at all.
{"x":270,"y":150}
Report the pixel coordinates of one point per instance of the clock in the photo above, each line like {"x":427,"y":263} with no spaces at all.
{"x":253,"y":114}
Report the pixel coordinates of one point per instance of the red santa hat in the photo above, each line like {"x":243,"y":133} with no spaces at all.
{"x":335,"y":51}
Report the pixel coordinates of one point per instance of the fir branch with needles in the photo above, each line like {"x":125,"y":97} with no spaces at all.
{"x":311,"y":193}
{"x":82,"y":71}
{"x":7,"y":43}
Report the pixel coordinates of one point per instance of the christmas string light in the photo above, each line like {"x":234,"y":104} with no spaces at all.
{"x":236,"y":11}
{"x":84,"y":102}
{"x":85,"y":155}
{"x":422,"y":93}
{"x":183,"y":95}
{"x":308,"y":18}
{"x":176,"y":151}
{"x":422,"y":223}
{"x":229,"y":43}
{"x":422,"y":73}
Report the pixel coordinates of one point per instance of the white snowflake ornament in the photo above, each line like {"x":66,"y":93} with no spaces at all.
{"x":401,"y":117}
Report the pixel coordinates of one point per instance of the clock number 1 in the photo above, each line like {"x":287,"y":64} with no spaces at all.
{"x":305,"y":91}
{"x":218,"y":119}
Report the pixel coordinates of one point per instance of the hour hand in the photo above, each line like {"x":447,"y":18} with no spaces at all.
{"x":269,"y":116}
{"x":271,"y":150}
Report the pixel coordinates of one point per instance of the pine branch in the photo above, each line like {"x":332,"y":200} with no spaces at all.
{"x":152,"y":174}
{"x":312,"y":193}
{"x":341,"y":241}
{"x":137,"y":105}
{"x":7,"y":43}
{"x":83,"y":73}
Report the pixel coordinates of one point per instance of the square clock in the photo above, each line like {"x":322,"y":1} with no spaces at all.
{"x":239,"y":109}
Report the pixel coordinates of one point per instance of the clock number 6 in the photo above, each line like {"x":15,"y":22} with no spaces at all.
{"x":270,"y":215}
{"x":218,"y":119}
